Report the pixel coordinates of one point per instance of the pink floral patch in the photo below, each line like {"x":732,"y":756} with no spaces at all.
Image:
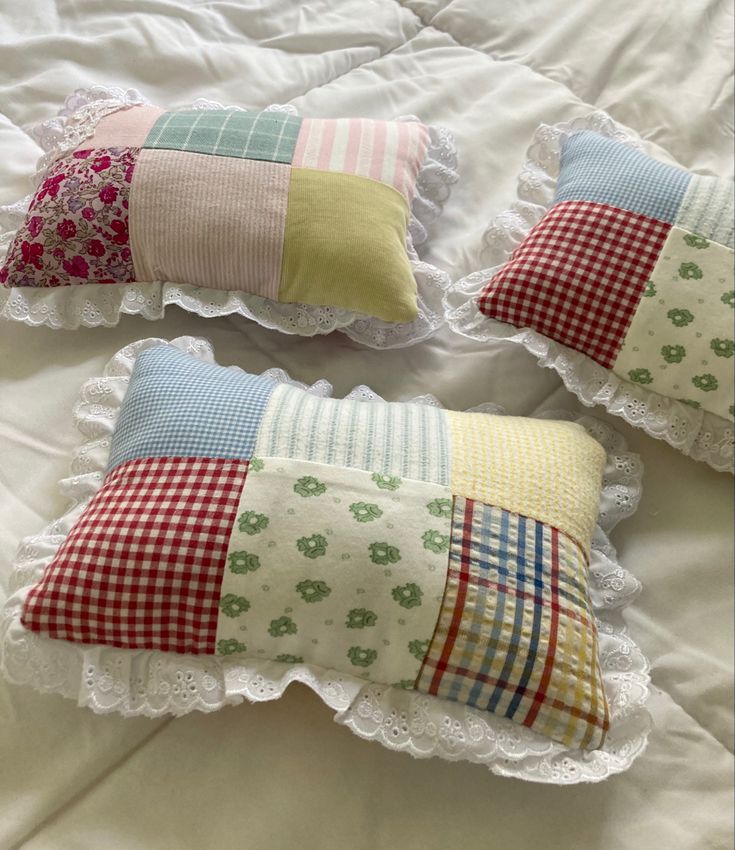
{"x":76,"y":267}
{"x":108,"y":194}
{"x":95,"y":248}
{"x":77,"y":225}
{"x":66,"y":229}
{"x":35,"y":225}
{"x":31,"y":252}
{"x":101,"y":163}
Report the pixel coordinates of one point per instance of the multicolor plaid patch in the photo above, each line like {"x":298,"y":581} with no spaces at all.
{"x":578,"y":277}
{"x":143,"y":566}
{"x":515,"y":635}
{"x":269,"y":136}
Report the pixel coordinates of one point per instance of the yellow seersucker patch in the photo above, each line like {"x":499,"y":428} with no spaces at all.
{"x":345,"y":245}
{"x":549,"y":471}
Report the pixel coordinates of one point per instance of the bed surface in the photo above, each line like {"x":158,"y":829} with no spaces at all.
{"x":282,"y":774}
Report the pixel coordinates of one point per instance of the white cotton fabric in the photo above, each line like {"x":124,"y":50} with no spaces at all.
{"x":686,"y":321}
{"x":324,"y":562}
{"x":283,"y":774}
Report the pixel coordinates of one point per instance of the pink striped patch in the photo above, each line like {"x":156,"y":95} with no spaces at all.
{"x":327,"y":145}
{"x":354,"y":133}
{"x":389,"y":151}
{"x":380,"y":139}
{"x":402,"y":154}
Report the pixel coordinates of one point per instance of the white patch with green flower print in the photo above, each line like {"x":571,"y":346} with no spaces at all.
{"x":336,"y":567}
{"x":680,"y":342}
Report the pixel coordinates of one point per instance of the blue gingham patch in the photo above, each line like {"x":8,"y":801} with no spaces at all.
{"x":594,"y":168}
{"x":177,"y":406}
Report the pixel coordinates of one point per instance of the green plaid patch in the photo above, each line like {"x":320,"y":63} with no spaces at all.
{"x":269,"y":136}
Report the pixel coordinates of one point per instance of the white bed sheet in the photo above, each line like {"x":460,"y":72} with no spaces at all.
{"x":282,"y":775}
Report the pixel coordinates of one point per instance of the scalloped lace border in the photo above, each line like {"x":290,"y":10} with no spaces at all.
{"x":155,"y":683}
{"x":92,"y":305}
{"x":697,"y":433}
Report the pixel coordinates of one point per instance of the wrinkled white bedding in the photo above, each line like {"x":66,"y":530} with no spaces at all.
{"x":283,"y":774}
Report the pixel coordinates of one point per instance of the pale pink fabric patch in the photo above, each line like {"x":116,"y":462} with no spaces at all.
{"x":126,"y":128}
{"x":389,"y":151}
{"x":209,"y":221}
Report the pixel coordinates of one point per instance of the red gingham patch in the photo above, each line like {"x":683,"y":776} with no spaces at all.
{"x":578,"y":276}
{"x":143,"y":566}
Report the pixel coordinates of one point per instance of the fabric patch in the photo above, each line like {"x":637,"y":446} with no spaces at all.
{"x":578,"y":277}
{"x":707,"y":209}
{"x":209,"y":221}
{"x":335,"y":567}
{"x":547,"y":470}
{"x":681,"y":342}
{"x":601,"y":170}
{"x":76,"y":230}
{"x":516,"y":634}
{"x":125,"y":128}
{"x":268,"y":136}
{"x":142,"y":567}
{"x":177,"y":406}
{"x":388,"y":151}
{"x":345,"y":246}
{"x":408,"y":440}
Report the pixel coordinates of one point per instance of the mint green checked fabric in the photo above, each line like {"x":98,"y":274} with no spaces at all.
{"x":269,"y":136}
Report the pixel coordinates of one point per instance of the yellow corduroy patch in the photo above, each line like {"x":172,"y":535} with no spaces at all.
{"x":344,"y":245}
{"x":549,"y":471}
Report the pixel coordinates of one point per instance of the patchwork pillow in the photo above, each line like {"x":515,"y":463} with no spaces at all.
{"x":304,"y":223}
{"x":622,"y":280}
{"x":237,"y":532}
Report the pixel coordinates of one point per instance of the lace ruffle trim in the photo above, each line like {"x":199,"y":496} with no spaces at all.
{"x":155,"y":683}
{"x":697,"y":433}
{"x":92,"y":305}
